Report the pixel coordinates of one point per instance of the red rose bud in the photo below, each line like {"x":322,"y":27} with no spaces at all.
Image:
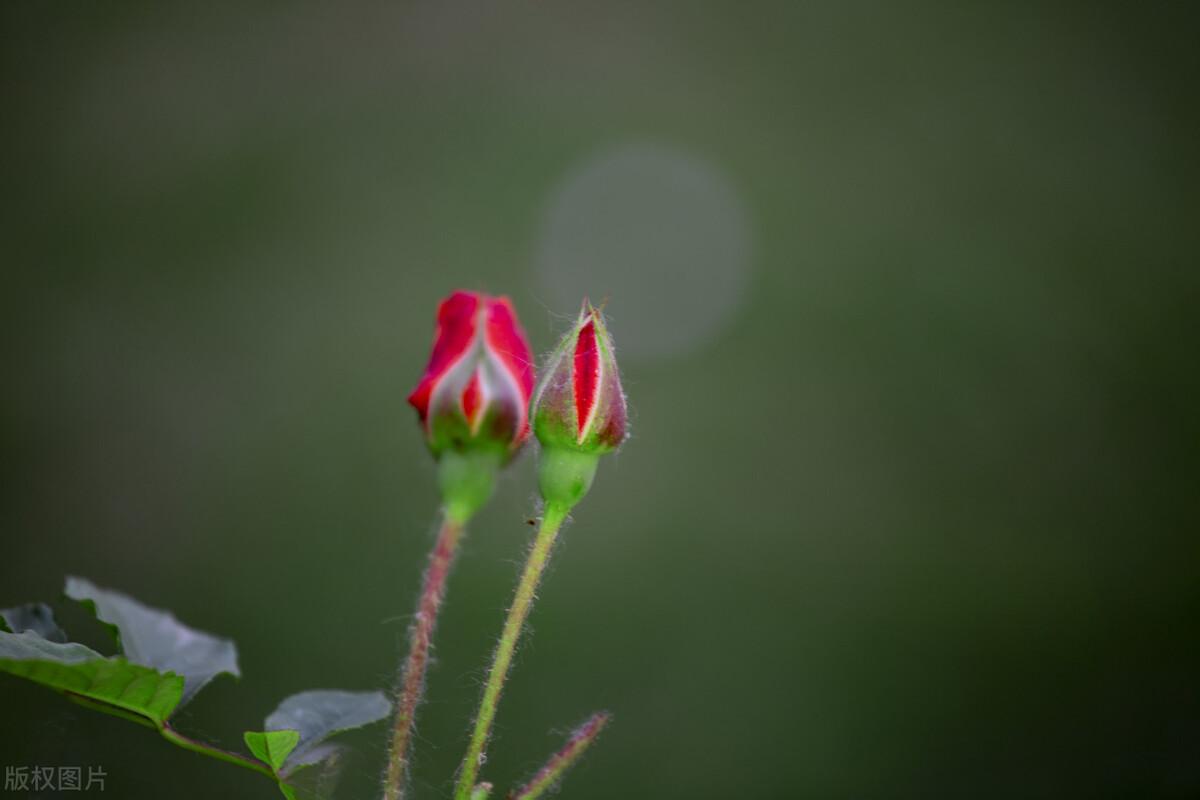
{"x":579,"y":412}
{"x":475,"y":391}
{"x":473,"y":399}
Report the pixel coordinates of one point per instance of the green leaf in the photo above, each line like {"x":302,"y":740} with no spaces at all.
{"x":317,"y":715}
{"x":271,"y":747}
{"x":83,"y":672}
{"x":36,"y":617}
{"x":155,"y":638}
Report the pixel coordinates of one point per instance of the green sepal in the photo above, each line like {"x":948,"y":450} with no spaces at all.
{"x":565,"y":475}
{"x":466,"y":480}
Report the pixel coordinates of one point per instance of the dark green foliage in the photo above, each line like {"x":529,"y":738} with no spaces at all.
{"x":36,"y":617}
{"x":82,"y":672}
{"x":156,"y":639}
{"x":163,"y":664}
{"x":317,"y":715}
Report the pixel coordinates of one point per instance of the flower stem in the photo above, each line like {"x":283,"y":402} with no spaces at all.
{"x":412,"y":679}
{"x":539,"y":555}
{"x":563,"y":760}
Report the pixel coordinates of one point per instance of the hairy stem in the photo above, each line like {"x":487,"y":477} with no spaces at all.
{"x":539,"y":554}
{"x":564,"y":759}
{"x":411,"y":684}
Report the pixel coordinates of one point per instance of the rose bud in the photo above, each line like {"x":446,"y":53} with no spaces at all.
{"x":473,"y":399}
{"x":579,"y":411}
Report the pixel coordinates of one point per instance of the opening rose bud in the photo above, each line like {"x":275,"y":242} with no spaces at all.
{"x":579,"y":414}
{"x":474,"y":396}
{"x":579,"y":411}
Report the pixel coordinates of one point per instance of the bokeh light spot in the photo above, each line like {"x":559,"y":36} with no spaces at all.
{"x":662,"y":233}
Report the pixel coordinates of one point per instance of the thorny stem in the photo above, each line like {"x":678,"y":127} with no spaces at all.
{"x":539,"y":554}
{"x":564,"y":759}
{"x":420,"y":635}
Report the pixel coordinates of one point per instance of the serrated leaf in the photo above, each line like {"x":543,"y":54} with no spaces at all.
{"x":83,"y":672}
{"x":36,"y":617}
{"x":319,"y":714}
{"x":155,"y":638}
{"x":271,"y":747}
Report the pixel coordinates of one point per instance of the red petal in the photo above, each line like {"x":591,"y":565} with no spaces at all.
{"x":587,"y":373}
{"x":453,"y":337}
{"x":506,"y":339}
{"x":472,"y":398}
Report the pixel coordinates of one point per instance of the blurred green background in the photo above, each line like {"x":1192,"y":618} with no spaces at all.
{"x":906,"y":300}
